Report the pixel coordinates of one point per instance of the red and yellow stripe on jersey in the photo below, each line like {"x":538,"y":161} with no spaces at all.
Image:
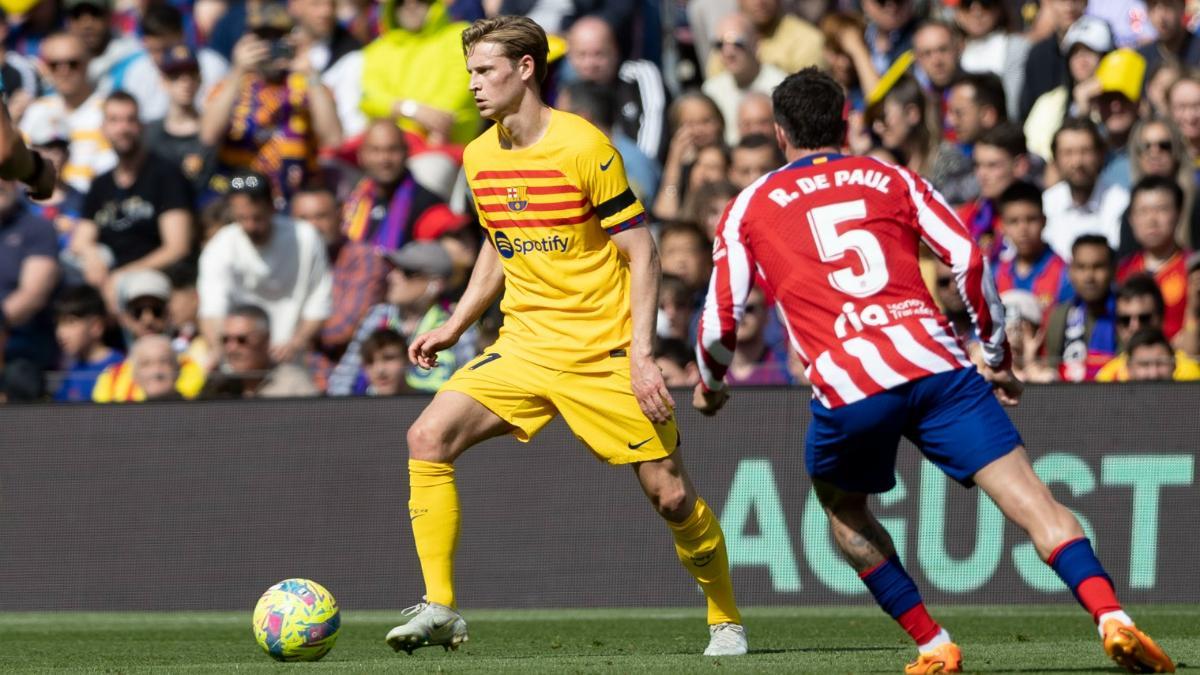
{"x":550,"y":209}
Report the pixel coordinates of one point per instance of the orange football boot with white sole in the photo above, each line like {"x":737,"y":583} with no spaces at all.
{"x":1133,"y":650}
{"x":944,"y":659}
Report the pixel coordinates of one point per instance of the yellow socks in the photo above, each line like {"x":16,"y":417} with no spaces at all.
{"x":433,"y":509}
{"x":701,"y":548}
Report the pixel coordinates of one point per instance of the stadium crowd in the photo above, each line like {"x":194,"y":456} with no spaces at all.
{"x":265,"y":199}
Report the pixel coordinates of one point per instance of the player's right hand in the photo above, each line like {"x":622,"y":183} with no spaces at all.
{"x":709,"y":401}
{"x":425,"y":347}
{"x":1005,"y":384}
{"x":41,"y":186}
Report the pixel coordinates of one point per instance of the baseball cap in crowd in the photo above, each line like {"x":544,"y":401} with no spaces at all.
{"x":142,"y":284}
{"x":179,"y":59}
{"x":1122,"y":71}
{"x":1021,"y":305}
{"x":53,"y":131}
{"x":423,"y":257}
{"x":1091,"y":32}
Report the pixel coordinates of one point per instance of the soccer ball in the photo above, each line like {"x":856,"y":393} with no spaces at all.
{"x":296,"y":620}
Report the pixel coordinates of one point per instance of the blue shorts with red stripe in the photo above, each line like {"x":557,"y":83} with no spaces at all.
{"x":953,"y":417}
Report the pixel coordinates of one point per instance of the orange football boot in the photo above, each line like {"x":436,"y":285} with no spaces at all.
{"x":944,"y":659}
{"x":1133,"y":650}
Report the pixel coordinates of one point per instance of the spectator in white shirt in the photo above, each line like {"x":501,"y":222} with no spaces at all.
{"x":743,"y":73}
{"x":76,"y":105}
{"x":1081,"y":203}
{"x":269,"y":260}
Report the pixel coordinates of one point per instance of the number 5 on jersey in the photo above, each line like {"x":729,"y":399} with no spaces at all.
{"x":832,"y":246}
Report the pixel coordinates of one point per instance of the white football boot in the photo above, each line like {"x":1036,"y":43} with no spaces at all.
{"x":431,"y":624}
{"x":726,"y":639}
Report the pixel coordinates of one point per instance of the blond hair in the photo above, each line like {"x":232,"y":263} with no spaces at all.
{"x":518,"y":36}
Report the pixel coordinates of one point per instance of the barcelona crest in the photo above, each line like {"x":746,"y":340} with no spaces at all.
{"x":517,"y":200}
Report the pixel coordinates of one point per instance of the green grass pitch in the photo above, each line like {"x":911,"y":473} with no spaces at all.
{"x":1002,"y":639}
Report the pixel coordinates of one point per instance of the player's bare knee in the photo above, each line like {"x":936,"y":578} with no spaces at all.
{"x":671,"y":501}
{"x":427,"y":442}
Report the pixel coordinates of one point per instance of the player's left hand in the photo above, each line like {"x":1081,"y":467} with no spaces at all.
{"x":650,"y":390}
{"x":709,"y":401}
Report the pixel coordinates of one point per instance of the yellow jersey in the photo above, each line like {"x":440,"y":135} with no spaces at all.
{"x":116,"y":385}
{"x":550,"y":210}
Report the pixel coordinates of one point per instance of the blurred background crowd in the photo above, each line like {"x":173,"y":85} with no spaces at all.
{"x":265,"y":199}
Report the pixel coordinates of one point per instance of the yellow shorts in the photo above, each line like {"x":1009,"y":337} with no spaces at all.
{"x":600,"y":408}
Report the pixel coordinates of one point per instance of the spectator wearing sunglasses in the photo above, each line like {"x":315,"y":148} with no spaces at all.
{"x":736,"y":45}
{"x":76,"y":105}
{"x":1139,"y":309}
{"x":91,"y":22}
{"x":1157,"y":148}
{"x":142,"y":297}
{"x":783,"y":40}
{"x":269,"y":260}
{"x":248,"y":369}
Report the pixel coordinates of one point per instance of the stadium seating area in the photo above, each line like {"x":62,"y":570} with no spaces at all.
{"x":1066,"y":135}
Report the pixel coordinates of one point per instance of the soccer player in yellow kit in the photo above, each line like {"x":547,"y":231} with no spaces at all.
{"x":580,"y":276}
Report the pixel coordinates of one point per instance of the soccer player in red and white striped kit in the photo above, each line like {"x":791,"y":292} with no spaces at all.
{"x":835,"y":238}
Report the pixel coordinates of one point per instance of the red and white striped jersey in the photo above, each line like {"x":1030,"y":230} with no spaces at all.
{"x":836,"y":240}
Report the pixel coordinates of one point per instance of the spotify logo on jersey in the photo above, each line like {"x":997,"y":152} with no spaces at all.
{"x":510,"y":247}
{"x":503,"y":245}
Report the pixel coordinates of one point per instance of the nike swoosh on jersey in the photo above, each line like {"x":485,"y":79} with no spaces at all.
{"x":604,"y":166}
{"x":638,"y":445}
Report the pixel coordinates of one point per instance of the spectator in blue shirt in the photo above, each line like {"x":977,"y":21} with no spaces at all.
{"x":81,"y":323}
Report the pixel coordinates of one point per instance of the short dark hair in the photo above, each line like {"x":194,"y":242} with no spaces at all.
{"x":162,"y":20}
{"x":1150,"y":183}
{"x":810,"y":108}
{"x":1141,"y":285}
{"x":254,"y":185}
{"x":675,"y":351}
{"x":595,"y":100}
{"x":81,"y":302}
{"x":1148,"y":337}
{"x":756,"y":141}
{"x":1020,"y":192}
{"x":380,"y":338}
{"x":1078,"y":124}
{"x":1095,"y":240}
{"x":121,"y":97}
{"x":988,"y":91}
{"x":1008,"y":136}
{"x":254,"y":313}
